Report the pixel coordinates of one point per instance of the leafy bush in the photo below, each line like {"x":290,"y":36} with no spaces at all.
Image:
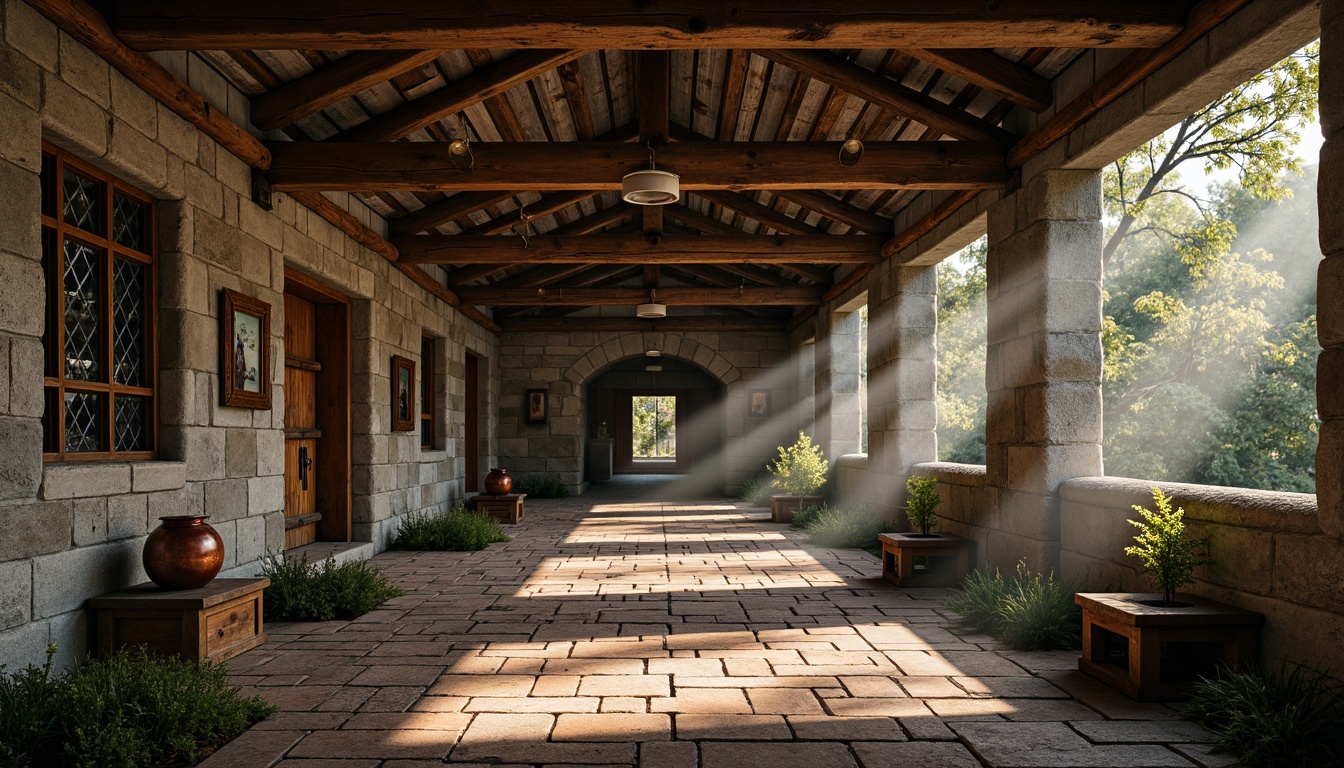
{"x":1029,"y":612}
{"x":854,"y":529}
{"x":922,"y":503}
{"x":755,"y":492}
{"x":126,"y":711}
{"x":541,"y":486}
{"x":304,"y":591}
{"x":1162,"y":547}
{"x":800,"y":469}
{"x":457,"y":530}
{"x":807,"y":516}
{"x":1277,"y":719}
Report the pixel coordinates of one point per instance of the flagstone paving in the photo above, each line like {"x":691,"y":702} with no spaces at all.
{"x":619,"y":630}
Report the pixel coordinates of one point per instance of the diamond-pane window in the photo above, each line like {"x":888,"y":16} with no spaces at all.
{"x":81,"y":202}
{"x":83,"y":311}
{"x":132,"y":435}
{"x":128,"y":322}
{"x":83,"y":422}
{"x":128,"y":222}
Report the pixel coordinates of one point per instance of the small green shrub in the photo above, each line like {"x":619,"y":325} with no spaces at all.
{"x":1281,"y":718}
{"x":1028,"y":611}
{"x":126,"y":711}
{"x":807,"y":516}
{"x":755,"y":492}
{"x":921,"y":506}
{"x":849,"y":529}
{"x":304,"y":591}
{"x":457,"y":530}
{"x":541,"y":486}
{"x":1166,"y":554}
{"x":800,"y":469}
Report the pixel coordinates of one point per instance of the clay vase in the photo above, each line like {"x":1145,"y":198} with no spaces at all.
{"x":184,"y":552}
{"x":498,"y":482}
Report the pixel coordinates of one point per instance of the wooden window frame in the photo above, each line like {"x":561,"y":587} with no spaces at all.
{"x":427,"y":394}
{"x":55,"y":384}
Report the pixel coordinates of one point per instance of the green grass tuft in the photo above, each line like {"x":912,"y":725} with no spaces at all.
{"x":756,"y":491}
{"x":126,"y":711}
{"x":541,"y":486}
{"x":850,"y":529}
{"x":807,"y":516}
{"x":1028,"y":611}
{"x":304,"y":591}
{"x":457,"y":530}
{"x":1289,"y":716}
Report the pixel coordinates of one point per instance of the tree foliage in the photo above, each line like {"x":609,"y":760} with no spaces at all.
{"x":921,"y":505}
{"x":800,"y":468}
{"x":961,"y":355}
{"x":1163,"y":549}
{"x":654,"y":426}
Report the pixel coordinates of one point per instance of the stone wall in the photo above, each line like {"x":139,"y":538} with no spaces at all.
{"x":75,"y":530}
{"x":562,"y":364}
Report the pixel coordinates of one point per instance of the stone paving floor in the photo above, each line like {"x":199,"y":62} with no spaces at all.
{"x":622,"y":629}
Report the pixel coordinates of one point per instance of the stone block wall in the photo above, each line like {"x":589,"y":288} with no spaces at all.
{"x":71,"y":531}
{"x":562,"y":363}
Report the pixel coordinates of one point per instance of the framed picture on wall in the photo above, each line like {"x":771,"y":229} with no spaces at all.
{"x":758,"y":403}
{"x":245,"y":351}
{"x":403,"y":394}
{"x":534,"y":406}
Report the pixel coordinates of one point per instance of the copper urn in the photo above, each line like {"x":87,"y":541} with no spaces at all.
{"x":184,"y":552}
{"x":498,"y":482}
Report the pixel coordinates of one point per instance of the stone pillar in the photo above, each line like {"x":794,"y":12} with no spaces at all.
{"x":821,"y":390}
{"x":1043,"y":366}
{"x":846,"y":412}
{"x":1330,"y":282}
{"x":902,"y":381}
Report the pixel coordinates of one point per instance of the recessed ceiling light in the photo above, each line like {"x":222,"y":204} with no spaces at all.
{"x":653,"y":353}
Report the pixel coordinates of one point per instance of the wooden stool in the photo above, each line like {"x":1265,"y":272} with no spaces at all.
{"x":213,"y":623}
{"x":506,"y":509}
{"x":948,"y":559}
{"x":1154,"y":652}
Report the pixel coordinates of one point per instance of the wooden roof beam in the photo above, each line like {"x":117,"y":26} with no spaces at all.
{"x":699,"y":221}
{"x":830,"y":207}
{"x":616,"y":296}
{"x":857,"y":81}
{"x":480,"y":85}
{"x":767,"y":216}
{"x":620,"y":249}
{"x":327,"y":85}
{"x":992,"y":72}
{"x":595,"y":221}
{"x":632,"y":24}
{"x":599,"y":166}
{"x":444,"y":211}
{"x":653,"y":74}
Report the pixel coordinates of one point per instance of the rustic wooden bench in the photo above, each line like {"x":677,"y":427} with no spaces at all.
{"x":212,"y":623}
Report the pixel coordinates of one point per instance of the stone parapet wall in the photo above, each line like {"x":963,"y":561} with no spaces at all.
{"x":75,"y":530}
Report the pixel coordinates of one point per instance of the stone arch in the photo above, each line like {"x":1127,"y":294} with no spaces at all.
{"x":628,"y":345}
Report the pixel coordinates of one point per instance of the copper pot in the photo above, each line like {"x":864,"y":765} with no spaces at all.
{"x":498,"y":482}
{"x":184,"y":552}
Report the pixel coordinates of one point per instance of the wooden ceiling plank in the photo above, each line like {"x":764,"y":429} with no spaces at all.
{"x":653,"y":72}
{"x":597,"y":166}
{"x":537,"y":277}
{"x":456,"y":96}
{"x":994,"y":73}
{"x":543,"y":207}
{"x":822,"y":203}
{"x":754,"y":274}
{"x":617,"y":296}
{"x":596,"y":221}
{"x":674,"y":324}
{"x":766,"y":215}
{"x":815,"y":274}
{"x":620,"y":249}
{"x":856,"y":80}
{"x":701,"y":222}
{"x":470,"y":273}
{"x":440,"y":213}
{"x":338,"y":80}
{"x":632,"y":24}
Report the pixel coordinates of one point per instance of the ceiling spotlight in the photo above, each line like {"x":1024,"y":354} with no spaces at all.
{"x":653,"y":368}
{"x":651,"y":186}
{"x":850,"y":152}
{"x":459,"y":152}
{"x":653,"y":353}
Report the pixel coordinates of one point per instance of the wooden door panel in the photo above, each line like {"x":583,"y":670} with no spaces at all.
{"x":473,"y":438}
{"x":300,"y":503}
{"x":301,"y":428}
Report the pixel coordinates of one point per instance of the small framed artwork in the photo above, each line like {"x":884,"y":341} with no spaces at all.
{"x":536,"y":406}
{"x":758,"y":403}
{"x":403,"y":394}
{"x":245,"y":351}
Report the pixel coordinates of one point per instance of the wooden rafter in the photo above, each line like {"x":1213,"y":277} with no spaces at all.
{"x":701,"y":222}
{"x":652,"y":73}
{"x":619,"y":249}
{"x":613,"y":296}
{"x":824,"y":204}
{"x":544,"y":207}
{"x":442,"y":212}
{"x":767,"y":216}
{"x":593,"y":222}
{"x":630,"y":24}
{"x":994,"y":73}
{"x":599,"y":166}
{"x":329,"y":84}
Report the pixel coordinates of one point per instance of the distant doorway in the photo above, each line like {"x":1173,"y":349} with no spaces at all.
{"x":653,"y":432}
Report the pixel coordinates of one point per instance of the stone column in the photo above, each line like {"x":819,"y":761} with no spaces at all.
{"x":902,"y":381}
{"x":846,"y":412}
{"x":1043,"y":366}
{"x":1330,"y":282}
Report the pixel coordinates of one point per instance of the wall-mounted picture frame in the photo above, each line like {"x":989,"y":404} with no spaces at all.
{"x":404,"y":413}
{"x":758,"y":403}
{"x":244,"y":351}
{"x":534,"y":406}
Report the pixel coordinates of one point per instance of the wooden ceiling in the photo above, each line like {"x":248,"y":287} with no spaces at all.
{"x":559,"y":100}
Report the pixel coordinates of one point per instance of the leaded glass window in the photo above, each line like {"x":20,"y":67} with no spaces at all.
{"x":98,"y":253}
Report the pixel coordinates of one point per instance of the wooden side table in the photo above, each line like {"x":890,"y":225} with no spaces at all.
{"x":506,"y":509}
{"x":947,"y":559}
{"x":213,"y":623}
{"x":1154,"y":652}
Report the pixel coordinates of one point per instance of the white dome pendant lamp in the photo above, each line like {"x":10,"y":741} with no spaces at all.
{"x":651,"y":309}
{"x":651,"y":186}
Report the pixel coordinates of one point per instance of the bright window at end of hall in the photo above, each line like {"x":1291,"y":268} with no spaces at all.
{"x":654,"y":423}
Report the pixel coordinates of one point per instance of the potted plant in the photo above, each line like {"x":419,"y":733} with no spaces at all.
{"x":924,"y":559}
{"x":799,"y":472}
{"x":1153,"y":648}
{"x":921,"y":505}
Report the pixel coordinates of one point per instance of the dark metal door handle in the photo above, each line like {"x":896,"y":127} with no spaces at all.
{"x":304,"y":463}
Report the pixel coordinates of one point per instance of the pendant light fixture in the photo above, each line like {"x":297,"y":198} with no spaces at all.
{"x":651,"y":309}
{"x":651,"y":186}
